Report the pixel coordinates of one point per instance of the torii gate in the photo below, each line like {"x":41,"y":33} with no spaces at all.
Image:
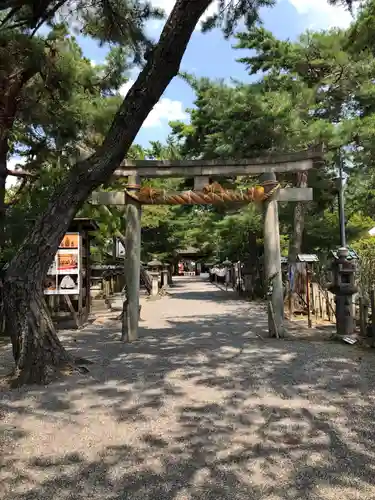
{"x":269,"y":193}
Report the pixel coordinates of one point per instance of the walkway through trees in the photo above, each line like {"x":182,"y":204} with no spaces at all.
{"x":198,"y":409}
{"x":196,"y":307}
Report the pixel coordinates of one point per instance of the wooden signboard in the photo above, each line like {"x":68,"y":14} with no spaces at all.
{"x":64,"y":276}
{"x":67,"y":285}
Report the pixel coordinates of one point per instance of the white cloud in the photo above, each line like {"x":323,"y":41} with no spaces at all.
{"x":322,"y":15}
{"x":167,"y":6}
{"x":125,"y":87}
{"x":164,"y":111}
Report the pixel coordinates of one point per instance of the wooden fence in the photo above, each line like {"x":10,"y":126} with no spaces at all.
{"x":318,"y":306}
{"x":365,"y":316}
{"x":322,"y":303}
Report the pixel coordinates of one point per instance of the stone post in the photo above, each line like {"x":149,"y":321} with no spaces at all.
{"x":132,"y":262}
{"x":170,"y":275}
{"x":272,"y":259}
{"x":165,"y":277}
{"x":155,"y":285}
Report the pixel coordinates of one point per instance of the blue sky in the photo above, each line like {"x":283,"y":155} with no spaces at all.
{"x":211,"y":56}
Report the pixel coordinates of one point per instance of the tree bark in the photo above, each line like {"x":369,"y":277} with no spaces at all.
{"x":26,"y":271}
{"x":37,"y":351}
{"x":295,"y":244}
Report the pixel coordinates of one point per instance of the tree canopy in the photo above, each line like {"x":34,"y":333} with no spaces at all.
{"x":316,"y":89}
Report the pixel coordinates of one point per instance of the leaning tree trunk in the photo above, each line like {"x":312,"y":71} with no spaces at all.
{"x":35,"y":346}
{"x":295,"y":245}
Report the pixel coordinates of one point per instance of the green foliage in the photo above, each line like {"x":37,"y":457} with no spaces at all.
{"x":361,"y":35}
{"x":232,"y":233}
{"x":320,"y":72}
{"x":229,"y":14}
{"x":314,"y":90}
{"x":365,"y":248}
{"x":119,"y":22}
{"x":310,"y":91}
{"x":21,"y":216}
{"x":66,"y":101}
{"x":67,"y":98}
{"x":237,"y":121}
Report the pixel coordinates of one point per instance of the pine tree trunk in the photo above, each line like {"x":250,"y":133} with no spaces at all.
{"x":37,"y":351}
{"x":295,"y":245}
{"x":34,"y":342}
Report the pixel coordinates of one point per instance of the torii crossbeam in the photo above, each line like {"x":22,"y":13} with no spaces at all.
{"x":268,"y":193}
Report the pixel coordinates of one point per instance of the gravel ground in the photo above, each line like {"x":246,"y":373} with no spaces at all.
{"x":198,"y":408}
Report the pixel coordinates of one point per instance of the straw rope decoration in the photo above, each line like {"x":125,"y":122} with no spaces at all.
{"x":211,"y":194}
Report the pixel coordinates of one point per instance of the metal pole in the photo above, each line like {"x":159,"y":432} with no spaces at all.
{"x":341,"y":204}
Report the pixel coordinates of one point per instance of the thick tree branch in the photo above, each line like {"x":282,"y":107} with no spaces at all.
{"x":20,"y":173}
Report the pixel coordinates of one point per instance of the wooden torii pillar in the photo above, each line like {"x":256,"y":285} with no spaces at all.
{"x":130,"y":317}
{"x":202,"y":170}
{"x":272,"y":250}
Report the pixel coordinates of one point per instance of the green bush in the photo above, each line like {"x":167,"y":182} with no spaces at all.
{"x":365,"y":248}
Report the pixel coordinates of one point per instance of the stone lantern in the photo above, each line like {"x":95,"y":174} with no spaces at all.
{"x":154,"y":268}
{"x":227,"y":264}
{"x":154,"y":265}
{"x":344,"y":287}
{"x":247,"y":278}
{"x":165,"y":275}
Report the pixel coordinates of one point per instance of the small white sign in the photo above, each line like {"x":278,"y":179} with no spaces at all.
{"x":120,"y":249}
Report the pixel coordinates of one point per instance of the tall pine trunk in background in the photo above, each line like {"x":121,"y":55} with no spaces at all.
{"x":36,"y":347}
{"x":295,"y":244}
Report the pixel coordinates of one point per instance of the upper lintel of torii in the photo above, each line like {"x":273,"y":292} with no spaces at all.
{"x":291,"y":162}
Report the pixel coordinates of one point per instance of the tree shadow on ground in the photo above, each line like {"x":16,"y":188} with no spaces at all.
{"x":200,"y":409}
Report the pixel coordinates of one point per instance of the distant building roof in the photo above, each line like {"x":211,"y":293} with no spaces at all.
{"x":189,"y":251}
{"x":308,"y":257}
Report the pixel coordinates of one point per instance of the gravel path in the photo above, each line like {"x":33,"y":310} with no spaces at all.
{"x":199,"y":409}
